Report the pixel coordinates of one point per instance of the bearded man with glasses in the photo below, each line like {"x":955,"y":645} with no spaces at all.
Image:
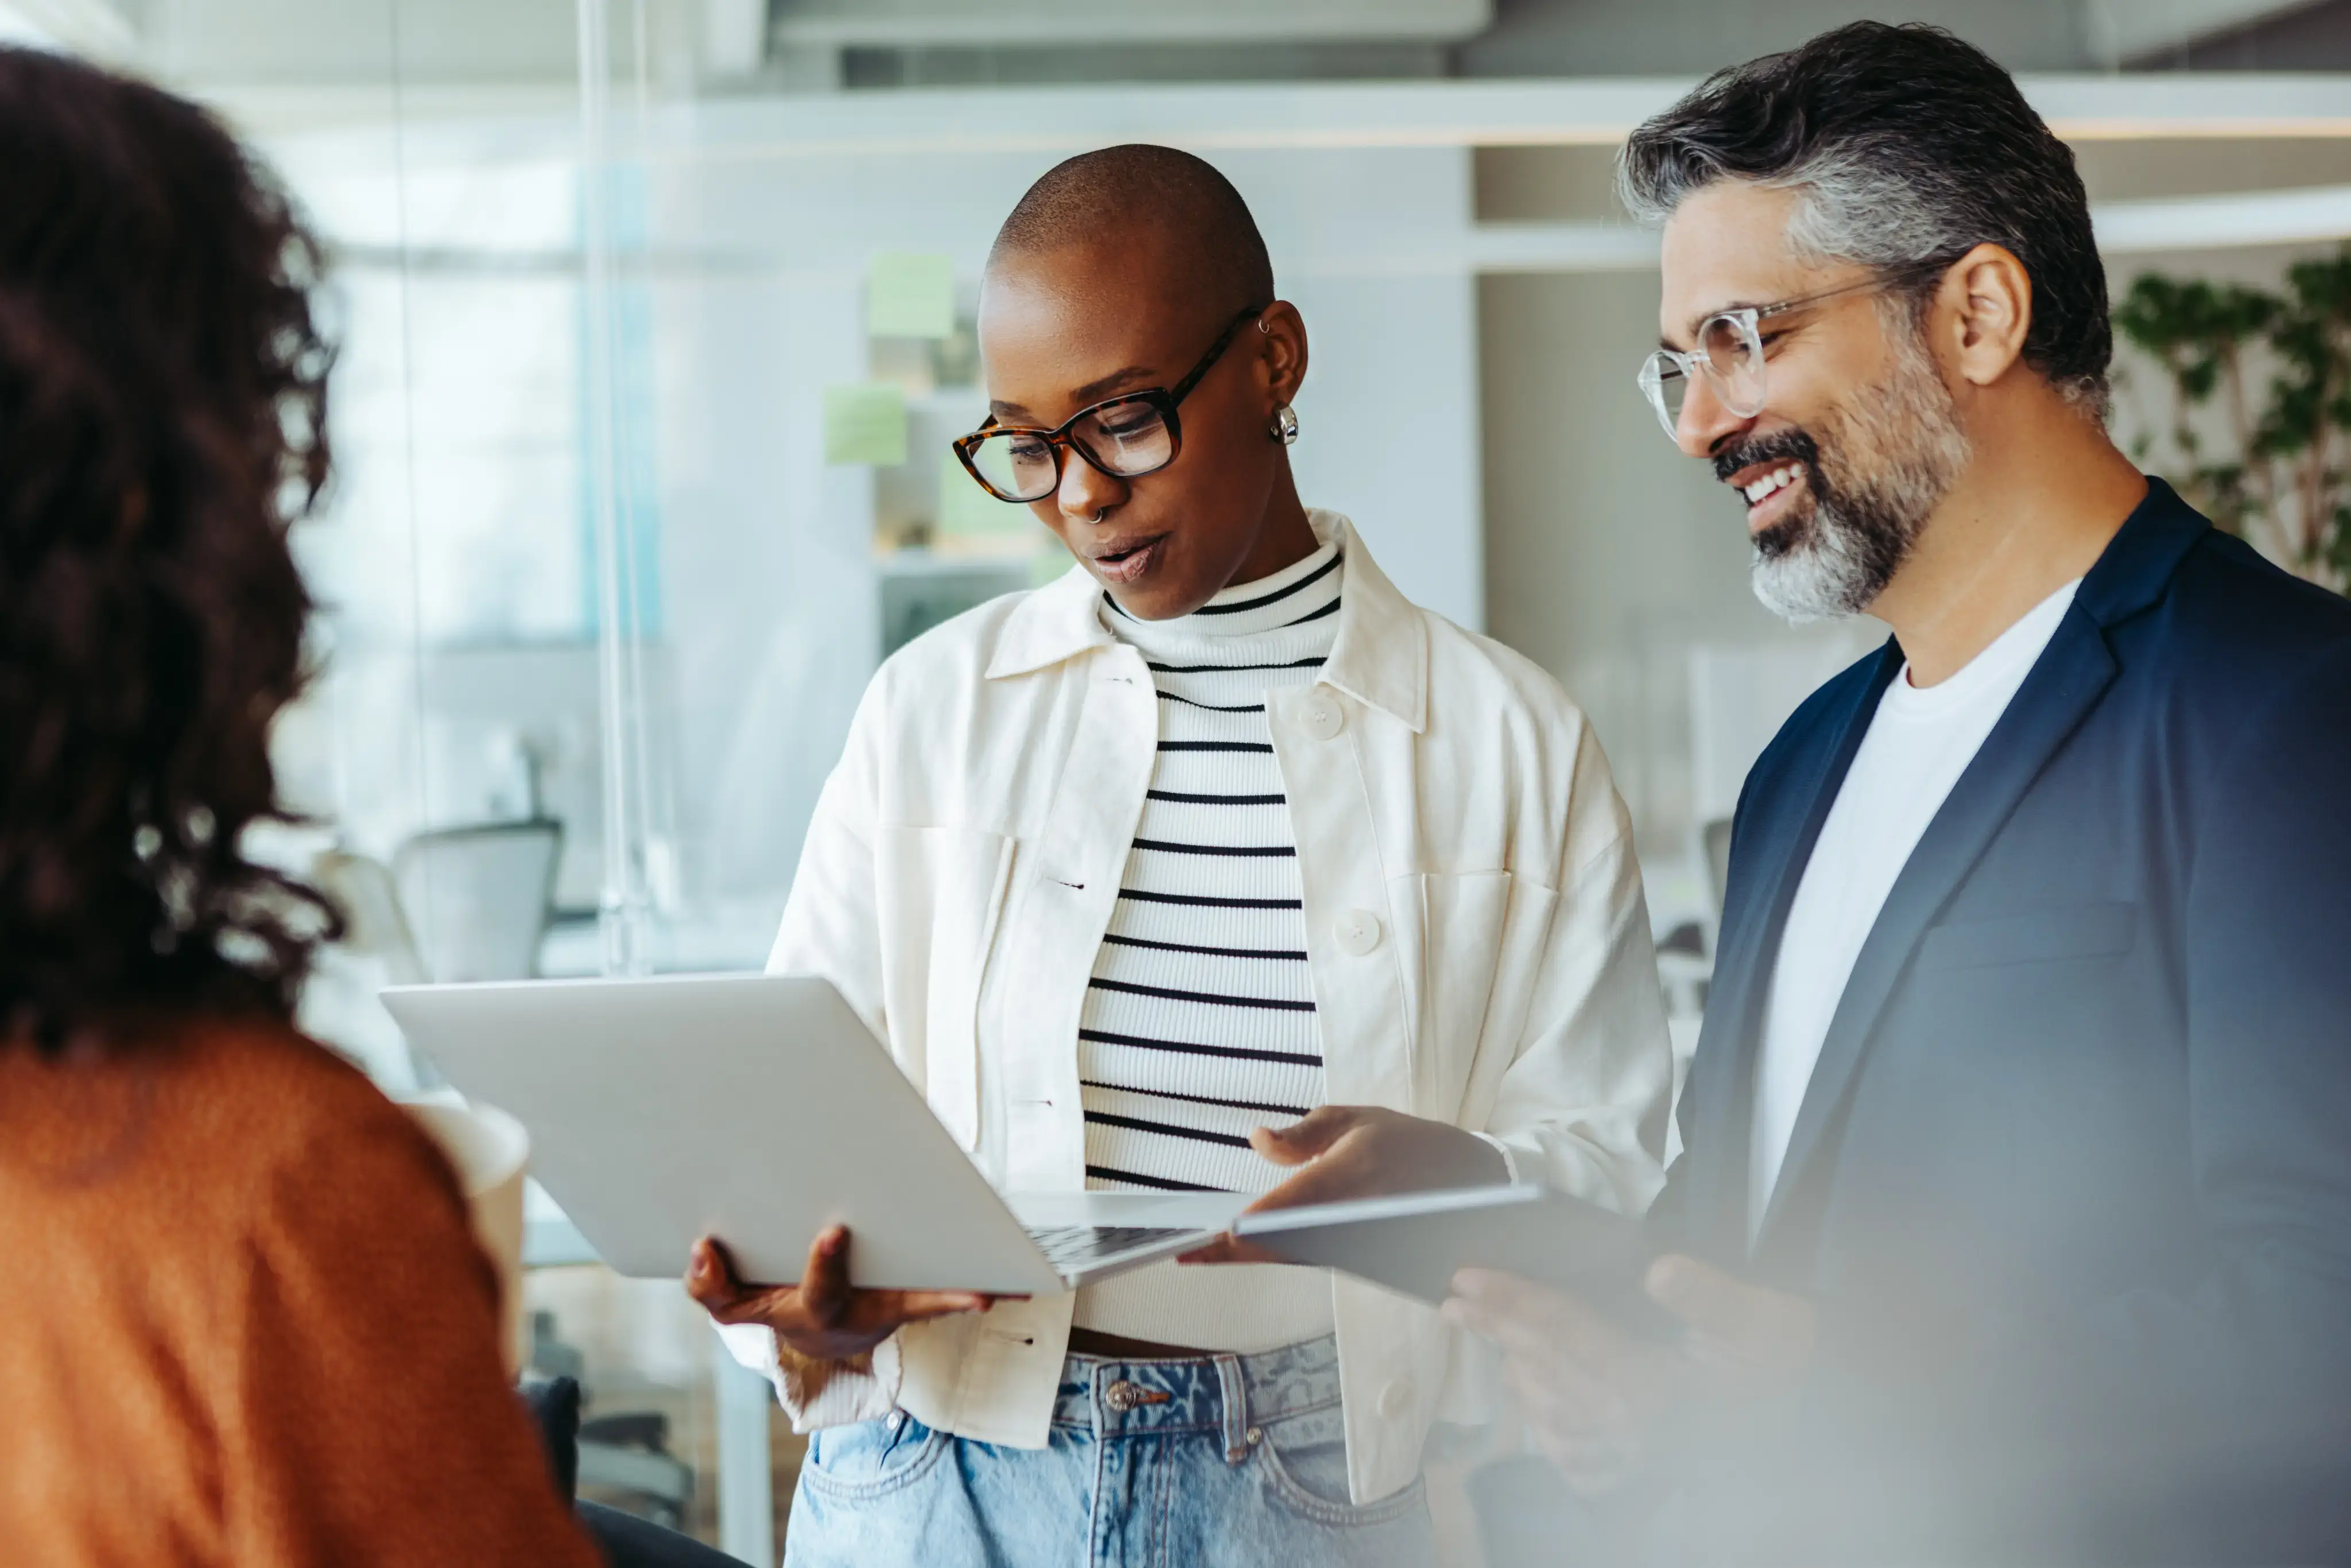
{"x":2015,"y":1219}
{"x":1216,"y":866}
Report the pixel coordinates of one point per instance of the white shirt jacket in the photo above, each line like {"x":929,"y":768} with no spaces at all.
{"x":1477,"y":942}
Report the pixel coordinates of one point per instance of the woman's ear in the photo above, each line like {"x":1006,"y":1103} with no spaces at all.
{"x":1994,"y":302}
{"x":1282,"y":341}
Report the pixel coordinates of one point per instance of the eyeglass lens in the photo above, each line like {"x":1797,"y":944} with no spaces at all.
{"x":1125,"y":439}
{"x":1729,"y":354}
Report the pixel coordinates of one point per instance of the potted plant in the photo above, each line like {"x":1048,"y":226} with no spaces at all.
{"x":2270,"y":374}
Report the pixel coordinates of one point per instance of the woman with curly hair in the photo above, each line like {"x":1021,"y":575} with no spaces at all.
{"x":241,"y":1318}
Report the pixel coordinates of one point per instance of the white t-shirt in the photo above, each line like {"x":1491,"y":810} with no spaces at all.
{"x":1920,"y":742}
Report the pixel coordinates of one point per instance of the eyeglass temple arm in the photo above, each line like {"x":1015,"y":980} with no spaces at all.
{"x":1182,"y":389}
{"x":1175,"y":393}
{"x":1892,"y":277}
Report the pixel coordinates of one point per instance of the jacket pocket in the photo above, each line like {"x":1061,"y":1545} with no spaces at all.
{"x":938,"y":895}
{"x":2030,"y":935}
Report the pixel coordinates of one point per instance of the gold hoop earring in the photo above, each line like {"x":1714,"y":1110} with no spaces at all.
{"x":1284,"y":428}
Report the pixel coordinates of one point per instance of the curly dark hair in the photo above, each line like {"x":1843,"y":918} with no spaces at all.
{"x":162,"y":423}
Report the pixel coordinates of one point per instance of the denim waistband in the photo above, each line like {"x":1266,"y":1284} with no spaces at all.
{"x":1207,"y":1393}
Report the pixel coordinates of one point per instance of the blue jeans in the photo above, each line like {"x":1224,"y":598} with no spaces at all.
{"x":1209,"y":1461}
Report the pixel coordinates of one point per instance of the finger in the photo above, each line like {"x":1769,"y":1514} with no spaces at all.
{"x":1476,"y":1285}
{"x":1306,"y":1137}
{"x":1529,"y":1321}
{"x":824,"y":1283}
{"x":885,"y":1309}
{"x":1566,"y":1398}
{"x":1730,"y":1320}
{"x":1700,"y":1295}
{"x":1502,"y":1296}
{"x":1229,"y":1250}
{"x":710,"y":1276}
{"x":1327,"y":1180}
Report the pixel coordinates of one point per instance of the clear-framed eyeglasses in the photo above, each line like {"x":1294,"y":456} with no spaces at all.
{"x":1730,"y":352}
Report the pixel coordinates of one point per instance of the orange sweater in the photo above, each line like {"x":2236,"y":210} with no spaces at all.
{"x":243,"y":1322}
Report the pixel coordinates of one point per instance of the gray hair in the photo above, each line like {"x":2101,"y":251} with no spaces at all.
{"x":1906,"y":147}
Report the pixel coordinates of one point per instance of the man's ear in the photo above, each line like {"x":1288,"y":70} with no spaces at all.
{"x":1283,"y":350}
{"x":1993,"y":296}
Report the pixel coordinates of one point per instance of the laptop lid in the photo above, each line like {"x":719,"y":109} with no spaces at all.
{"x":757,"y":1109}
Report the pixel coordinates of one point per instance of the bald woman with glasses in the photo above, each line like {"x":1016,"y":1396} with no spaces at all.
{"x":1215,"y":865}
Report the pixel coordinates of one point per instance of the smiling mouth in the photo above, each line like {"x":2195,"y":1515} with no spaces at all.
{"x":1772,"y":492}
{"x":1770,"y":484}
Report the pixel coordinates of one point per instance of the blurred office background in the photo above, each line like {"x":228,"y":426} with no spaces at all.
{"x":656,"y":320}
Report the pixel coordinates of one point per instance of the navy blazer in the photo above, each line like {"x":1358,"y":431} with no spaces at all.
{"x":2071,"y":1183}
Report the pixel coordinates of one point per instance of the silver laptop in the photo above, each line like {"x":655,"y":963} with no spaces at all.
{"x":760,"y":1110}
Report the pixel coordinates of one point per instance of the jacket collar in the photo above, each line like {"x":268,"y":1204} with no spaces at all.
{"x":2068,"y":680}
{"x":1381,"y":658}
{"x":2138,"y":562}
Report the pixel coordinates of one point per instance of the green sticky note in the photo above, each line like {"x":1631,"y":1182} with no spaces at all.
{"x":865,"y":424}
{"x":967,"y":511}
{"x":910,"y":294}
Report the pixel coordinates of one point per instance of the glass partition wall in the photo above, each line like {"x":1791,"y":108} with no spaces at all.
{"x":643,"y":419}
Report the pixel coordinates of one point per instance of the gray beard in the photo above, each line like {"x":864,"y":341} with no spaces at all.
{"x":1891,"y":456}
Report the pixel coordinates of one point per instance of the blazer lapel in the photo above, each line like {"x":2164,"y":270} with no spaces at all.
{"x":2065,"y":683}
{"x":1722,"y":1083}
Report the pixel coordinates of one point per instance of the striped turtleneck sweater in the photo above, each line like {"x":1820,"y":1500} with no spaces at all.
{"x":1199,"y":1021}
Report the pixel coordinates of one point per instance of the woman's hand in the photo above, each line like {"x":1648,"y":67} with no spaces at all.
{"x":823,"y":1318}
{"x":1359,"y":1151}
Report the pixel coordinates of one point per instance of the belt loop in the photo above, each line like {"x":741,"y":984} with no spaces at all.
{"x":1235,"y":1404}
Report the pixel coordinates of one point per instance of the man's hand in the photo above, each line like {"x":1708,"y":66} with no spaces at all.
{"x":821,"y":1318}
{"x":1598,"y":1400}
{"x":1358,"y":1151}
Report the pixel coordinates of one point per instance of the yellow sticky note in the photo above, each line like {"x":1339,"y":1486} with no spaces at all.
{"x":910,"y":294}
{"x":865,"y":423}
{"x":967,"y":511}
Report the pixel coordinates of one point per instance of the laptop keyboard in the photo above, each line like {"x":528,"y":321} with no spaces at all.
{"x":1070,"y":1247}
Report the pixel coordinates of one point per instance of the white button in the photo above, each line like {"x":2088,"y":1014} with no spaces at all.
{"x":1324,"y":719}
{"x":897,"y":1419}
{"x":1395,"y":1399}
{"x":1358,"y":932}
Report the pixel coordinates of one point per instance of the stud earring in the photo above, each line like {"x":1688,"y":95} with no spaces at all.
{"x":1284,"y":428}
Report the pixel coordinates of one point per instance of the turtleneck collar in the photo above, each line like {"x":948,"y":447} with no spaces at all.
{"x":1300,"y":603}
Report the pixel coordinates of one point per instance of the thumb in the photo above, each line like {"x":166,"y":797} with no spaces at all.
{"x":1702,"y":1296}
{"x":1303,"y":1139}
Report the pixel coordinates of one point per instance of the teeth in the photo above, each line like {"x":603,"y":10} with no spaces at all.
{"x":1772,"y":481}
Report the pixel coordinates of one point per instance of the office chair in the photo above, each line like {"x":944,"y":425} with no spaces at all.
{"x":478,"y":899}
